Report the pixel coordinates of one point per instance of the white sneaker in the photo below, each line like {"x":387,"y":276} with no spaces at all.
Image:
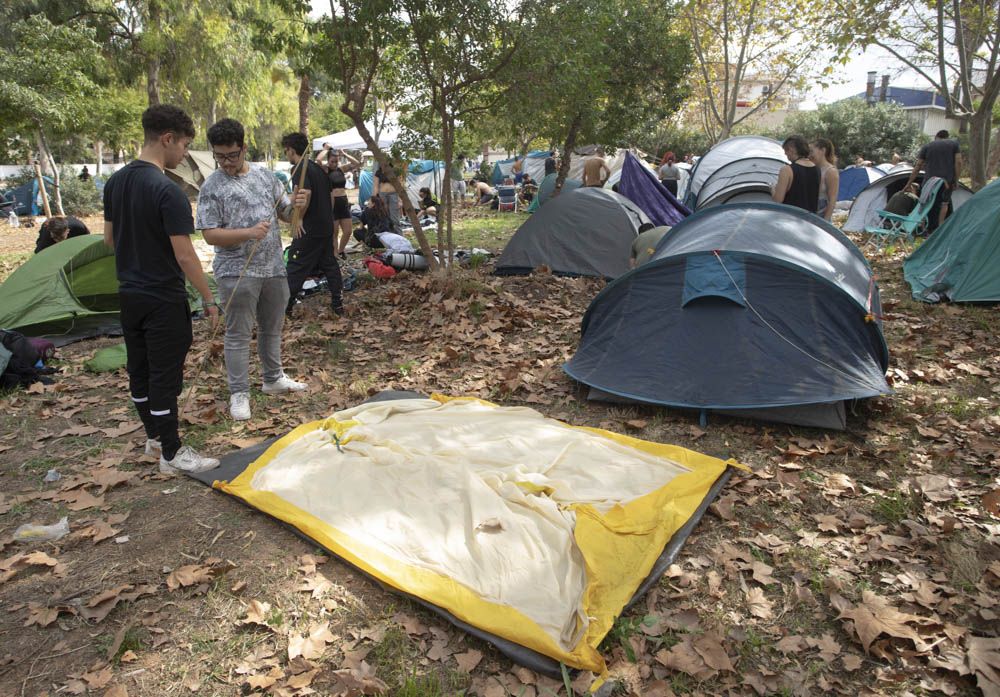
{"x":282,"y":385}
{"x":187,"y":459}
{"x":239,"y":406}
{"x":153,"y":447}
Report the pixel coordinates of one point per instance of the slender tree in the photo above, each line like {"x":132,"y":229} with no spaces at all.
{"x":351,"y":44}
{"x":954,"y":45}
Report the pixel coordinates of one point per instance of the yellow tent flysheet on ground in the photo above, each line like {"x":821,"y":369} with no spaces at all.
{"x":523,"y":527}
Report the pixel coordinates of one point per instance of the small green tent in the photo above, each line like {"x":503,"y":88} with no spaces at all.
{"x":68,"y":292}
{"x":68,"y":289}
{"x":961,"y":260}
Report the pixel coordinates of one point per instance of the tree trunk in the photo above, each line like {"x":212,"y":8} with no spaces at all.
{"x":55,"y":176}
{"x":43,"y":153}
{"x":305,"y":94}
{"x":99,"y":152}
{"x":993,"y":162}
{"x":979,"y":147}
{"x":153,"y":80}
{"x":574,"y":130}
{"x":356,"y":117}
{"x":449,"y":149}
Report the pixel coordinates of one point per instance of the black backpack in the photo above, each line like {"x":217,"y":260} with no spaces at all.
{"x":20,"y":370}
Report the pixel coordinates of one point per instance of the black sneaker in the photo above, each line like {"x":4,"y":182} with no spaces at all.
{"x":338,"y":310}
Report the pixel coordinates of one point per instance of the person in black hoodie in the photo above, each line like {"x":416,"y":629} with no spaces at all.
{"x":57,"y":229}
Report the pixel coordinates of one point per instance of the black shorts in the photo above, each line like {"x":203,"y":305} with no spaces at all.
{"x":341,"y":208}
{"x":944,"y":194}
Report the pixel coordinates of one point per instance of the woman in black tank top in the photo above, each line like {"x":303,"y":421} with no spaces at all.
{"x":798,"y":182}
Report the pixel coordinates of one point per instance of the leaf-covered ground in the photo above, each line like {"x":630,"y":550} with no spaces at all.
{"x":862,"y":562}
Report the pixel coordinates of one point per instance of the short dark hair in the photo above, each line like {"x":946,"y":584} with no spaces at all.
{"x":941,"y":134}
{"x":646,"y":226}
{"x":296,"y":141}
{"x":55,"y":226}
{"x":226,"y":132}
{"x":799,"y":144}
{"x":166,"y":118}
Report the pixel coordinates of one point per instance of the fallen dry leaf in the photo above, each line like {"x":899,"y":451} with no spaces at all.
{"x":983,"y":656}
{"x":468,"y":661}
{"x":758,"y":604}
{"x":311,"y":646}
{"x":874,"y":616}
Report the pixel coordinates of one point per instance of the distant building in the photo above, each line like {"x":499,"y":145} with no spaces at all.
{"x":926,"y":108}
{"x":755,"y":89}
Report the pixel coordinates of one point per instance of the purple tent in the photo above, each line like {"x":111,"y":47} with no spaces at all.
{"x":642,"y":187}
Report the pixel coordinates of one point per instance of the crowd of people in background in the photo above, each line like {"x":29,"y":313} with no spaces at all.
{"x":149,"y":223}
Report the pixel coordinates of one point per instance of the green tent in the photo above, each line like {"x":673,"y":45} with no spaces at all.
{"x":68,"y":289}
{"x":961,"y":260}
{"x":68,"y":292}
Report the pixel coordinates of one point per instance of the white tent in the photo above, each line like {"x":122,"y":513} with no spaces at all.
{"x":351,"y":140}
{"x":867,"y":204}
{"x":729,"y":150}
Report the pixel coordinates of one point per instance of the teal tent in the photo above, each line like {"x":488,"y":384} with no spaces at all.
{"x":961,"y":260}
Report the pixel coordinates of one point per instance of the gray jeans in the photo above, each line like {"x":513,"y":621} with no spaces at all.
{"x":392,"y":201}
{"x":260,"y":300}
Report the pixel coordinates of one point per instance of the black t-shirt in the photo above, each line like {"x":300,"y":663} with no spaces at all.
{"x":318,"y":219}
{"x":429,"y":202}
{"x":145,"y":209}
{"x":76,"y":228}
{"x":939,"y":158}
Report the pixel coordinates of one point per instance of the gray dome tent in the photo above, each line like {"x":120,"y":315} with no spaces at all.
{"x":872,"y":199}
{"x":725,"y":153}
{"x":583,"y":232}
{"x":752,"y":309}
{"x":746,"y":179}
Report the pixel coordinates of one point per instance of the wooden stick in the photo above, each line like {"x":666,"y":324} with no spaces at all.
{"x":296,"y":211}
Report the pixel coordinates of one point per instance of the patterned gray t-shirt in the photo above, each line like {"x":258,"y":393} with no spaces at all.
{"x":242,"y":202}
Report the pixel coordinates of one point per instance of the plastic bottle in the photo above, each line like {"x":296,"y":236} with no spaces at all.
{"x":30,"y":532}
{"x":12,"y":220}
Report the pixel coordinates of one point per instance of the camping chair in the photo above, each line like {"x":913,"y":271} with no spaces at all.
{"x":507,"y":198}
{"x":895,"y":226}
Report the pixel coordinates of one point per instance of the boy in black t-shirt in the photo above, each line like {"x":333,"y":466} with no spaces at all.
{"x":312,"y":245}
{"x":147,"y":219}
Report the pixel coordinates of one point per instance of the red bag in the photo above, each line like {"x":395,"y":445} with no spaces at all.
{"x":377,"y":269}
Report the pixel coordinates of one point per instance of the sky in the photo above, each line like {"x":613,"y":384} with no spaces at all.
{"x":852,"y":78}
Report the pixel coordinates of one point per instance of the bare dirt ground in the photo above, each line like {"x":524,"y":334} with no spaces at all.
{"x":862,"y":562}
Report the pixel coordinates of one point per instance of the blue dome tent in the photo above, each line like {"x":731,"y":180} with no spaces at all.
{"x":754,"y":309}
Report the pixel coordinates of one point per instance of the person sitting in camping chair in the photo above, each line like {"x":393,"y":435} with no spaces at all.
{"x":904,"y":201}
{"x":528,"y":189}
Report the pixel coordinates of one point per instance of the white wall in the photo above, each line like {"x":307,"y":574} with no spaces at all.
{"x":10,"y":170}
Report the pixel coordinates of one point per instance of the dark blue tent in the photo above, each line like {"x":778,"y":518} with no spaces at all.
{"x":854,"y":180}
{"x":642,"y":187}
{"x":756,"y":309}
{"x":583,"y":232}
{"x":24,"y":199}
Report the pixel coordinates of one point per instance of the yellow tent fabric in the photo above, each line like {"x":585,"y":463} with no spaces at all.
{"x":520,"y":525}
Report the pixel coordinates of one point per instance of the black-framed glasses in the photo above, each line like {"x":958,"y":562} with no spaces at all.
{"x":223,"y":157}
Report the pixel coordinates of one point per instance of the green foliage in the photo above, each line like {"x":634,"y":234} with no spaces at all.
{"x":48,"y":81}
{"x":678,"y":138}
{"x":79,"y":197}
{"x":856,"y":128}
{"x":615,"y":69}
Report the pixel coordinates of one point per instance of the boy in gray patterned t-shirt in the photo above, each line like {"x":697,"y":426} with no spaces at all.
{"x":238,"y":209}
